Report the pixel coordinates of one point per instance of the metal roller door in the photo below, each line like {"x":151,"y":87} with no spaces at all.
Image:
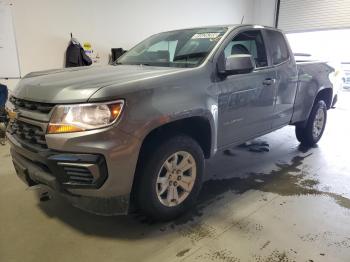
{"x":310,"y":15}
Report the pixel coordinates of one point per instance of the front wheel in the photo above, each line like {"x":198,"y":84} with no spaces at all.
{"x":310,"y":134}
{"x":169,"y":179}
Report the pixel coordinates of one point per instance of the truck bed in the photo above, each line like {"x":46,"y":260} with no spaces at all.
{"x":313,"y":76}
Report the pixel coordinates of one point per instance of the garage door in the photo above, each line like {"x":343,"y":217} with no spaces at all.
{"x":307,"y":15}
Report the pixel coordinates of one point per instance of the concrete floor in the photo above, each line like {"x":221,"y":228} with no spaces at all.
{"x":287,"y":204}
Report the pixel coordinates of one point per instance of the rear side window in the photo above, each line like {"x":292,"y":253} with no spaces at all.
{"x":278,"y":47}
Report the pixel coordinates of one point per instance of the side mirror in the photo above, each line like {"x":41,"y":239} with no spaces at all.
{"x":239,"y":64}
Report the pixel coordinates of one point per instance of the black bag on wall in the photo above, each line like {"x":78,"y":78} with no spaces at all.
{"x":3,"y":96}
{"x":116,"y":53}
{"x":75,"y":56}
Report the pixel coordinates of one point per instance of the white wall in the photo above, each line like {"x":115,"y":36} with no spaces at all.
{"x":43,"y":26}
{"x":264,"y":12}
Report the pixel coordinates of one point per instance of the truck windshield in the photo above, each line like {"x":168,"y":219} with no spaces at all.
{"x":182,"y":48}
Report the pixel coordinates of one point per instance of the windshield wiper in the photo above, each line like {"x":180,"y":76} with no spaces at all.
{"x":140,"y":64}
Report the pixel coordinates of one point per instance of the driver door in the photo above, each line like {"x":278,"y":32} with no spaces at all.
{"x":246,"y":100}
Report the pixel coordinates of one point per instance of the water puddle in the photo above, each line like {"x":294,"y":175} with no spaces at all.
{"x":286,"y":180}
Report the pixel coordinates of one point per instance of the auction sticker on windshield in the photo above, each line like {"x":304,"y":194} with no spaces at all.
{"x":205,"y":35}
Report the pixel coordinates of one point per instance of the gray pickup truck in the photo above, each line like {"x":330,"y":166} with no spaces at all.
{"x":135,"y":134}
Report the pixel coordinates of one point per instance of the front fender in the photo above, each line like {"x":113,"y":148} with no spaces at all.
{"x":209,"y":113}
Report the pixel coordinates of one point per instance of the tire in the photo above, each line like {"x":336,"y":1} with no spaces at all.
{"x":310,"y":134}
{"x":335,"y":100}
{"x":2,"y":134}
{"x":159,"y":173}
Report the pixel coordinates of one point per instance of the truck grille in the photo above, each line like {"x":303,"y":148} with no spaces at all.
{"x":28,"y":134}
{"x":31,"y":106}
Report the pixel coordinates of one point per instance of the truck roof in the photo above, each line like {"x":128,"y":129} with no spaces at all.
{"x":229,"y":26}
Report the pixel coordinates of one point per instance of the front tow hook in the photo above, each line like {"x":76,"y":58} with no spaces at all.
{"x":44,"y":196}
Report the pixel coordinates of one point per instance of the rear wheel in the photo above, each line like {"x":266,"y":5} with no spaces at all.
{"x":335,"y":100}
{"x":169,"y":179}
{"x":310,"y":134}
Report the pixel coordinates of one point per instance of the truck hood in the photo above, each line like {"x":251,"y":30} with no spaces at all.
{"x":76,"y":85}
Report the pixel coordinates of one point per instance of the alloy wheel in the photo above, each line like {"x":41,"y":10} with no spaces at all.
{"x":318,"y":124}
{"x":176,"y":178}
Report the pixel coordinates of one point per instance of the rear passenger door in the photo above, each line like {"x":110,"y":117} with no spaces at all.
{"x":246,"y":100}
{"x":286,"y":77}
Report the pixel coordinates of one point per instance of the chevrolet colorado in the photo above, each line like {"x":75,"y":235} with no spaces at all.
{"x":137,"y":133}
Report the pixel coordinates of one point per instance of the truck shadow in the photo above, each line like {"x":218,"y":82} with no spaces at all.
{"x":286,"y":178}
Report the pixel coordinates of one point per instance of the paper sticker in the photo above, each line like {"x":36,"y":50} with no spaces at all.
{"x":87,"y":46}
{"x":205,"y":35}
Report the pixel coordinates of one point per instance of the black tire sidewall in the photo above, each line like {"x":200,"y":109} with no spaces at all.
{"x":147,"y":197}
{"x":305,"y":134}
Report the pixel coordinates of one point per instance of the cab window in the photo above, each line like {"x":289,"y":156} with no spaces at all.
{"x":249,"y":42}
{"x":279,"y":49}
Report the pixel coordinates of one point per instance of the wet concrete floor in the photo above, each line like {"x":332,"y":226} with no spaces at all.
{"x":268,"y":200}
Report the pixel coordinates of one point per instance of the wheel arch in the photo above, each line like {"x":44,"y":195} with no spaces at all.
{"x":325,"y":94}
{"x":200,"y":128}
{"x":197,"y":127}
{"x":304,"y":105}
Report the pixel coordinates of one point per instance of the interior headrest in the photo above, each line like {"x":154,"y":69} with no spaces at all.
{"x":239,"y":49}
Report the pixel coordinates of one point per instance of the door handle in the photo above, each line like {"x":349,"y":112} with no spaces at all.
{"x":269,"y":81}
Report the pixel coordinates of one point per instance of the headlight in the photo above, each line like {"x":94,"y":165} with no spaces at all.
{"x":83,"y":117}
